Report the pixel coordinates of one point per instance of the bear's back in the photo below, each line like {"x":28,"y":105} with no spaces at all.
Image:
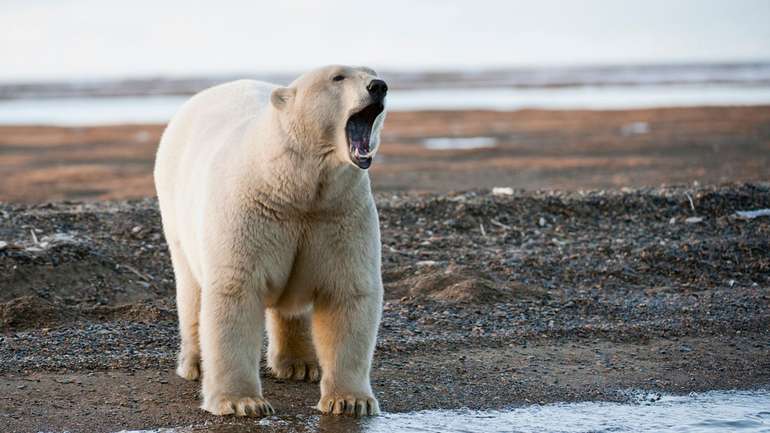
{"x":201,"y":129}
{"x":229,"y":102}
{"x":219,"y":109}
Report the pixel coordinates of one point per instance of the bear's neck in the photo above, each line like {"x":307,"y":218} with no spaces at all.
{"x":322,"y":182}
{"x":301,"y":182}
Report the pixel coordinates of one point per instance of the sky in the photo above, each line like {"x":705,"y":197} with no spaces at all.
{"x":100,"y":39}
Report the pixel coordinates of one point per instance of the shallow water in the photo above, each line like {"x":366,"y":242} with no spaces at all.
{"x":441,"y":143}
{"x":159,"y":109}
{"x":714,"y":411}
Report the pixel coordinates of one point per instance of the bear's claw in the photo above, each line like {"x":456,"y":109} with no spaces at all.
{"x":297,"y":370}
{"x":243,"y":406}
{"x":351,"y":405}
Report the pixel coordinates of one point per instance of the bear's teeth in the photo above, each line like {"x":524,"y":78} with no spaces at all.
{"x":367,"y":154}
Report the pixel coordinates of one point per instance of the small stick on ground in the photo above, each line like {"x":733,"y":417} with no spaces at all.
{"x":689,"y":197}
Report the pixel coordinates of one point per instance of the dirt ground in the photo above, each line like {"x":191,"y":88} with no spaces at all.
{"x":491,"y":301}
{"x":534,"y":149}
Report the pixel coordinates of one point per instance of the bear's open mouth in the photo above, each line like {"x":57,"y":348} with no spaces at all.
{"x":359,"y":132}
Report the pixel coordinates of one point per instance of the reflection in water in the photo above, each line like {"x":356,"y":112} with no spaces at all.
{"x":714,"y":411}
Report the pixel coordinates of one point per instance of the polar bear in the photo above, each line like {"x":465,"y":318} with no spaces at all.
{"x":270,"y":221}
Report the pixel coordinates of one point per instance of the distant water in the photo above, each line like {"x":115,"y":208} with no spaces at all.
{"x":159,"y":109}
{"x":753,"y":74}
{"x":154,"y":100}
{"x":709,"y":412}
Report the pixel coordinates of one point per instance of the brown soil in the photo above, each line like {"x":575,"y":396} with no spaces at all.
{"x":491,"y":301}
{"x":565,"y":150}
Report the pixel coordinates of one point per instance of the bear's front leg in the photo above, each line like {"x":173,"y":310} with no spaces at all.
{"x":344,"y":333}
{"x":231,"y":327}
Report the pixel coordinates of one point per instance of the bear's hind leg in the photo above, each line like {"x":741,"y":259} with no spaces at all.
{"x":290,"y":352}
{"x":188,"y":301}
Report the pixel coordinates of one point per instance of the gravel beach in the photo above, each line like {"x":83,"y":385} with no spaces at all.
{"x":491,"y":301}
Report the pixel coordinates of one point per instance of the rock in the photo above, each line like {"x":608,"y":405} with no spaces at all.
{"x":751,"y":214}
{"x":498,"y":190}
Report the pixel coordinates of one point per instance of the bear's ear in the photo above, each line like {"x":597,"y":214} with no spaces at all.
{"x":281,"y":96}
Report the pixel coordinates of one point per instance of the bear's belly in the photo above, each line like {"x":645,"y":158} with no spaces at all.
{"x":298,"y":293}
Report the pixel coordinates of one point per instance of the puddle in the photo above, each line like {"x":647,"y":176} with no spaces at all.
{"x":442,"y":143}
{"x":635,"y":128}
{"x":714,"y":411}
{"x":707,"y":412}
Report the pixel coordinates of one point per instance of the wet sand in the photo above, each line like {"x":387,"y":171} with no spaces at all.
{"x":534,"y":149}
{"x":491,"y":301}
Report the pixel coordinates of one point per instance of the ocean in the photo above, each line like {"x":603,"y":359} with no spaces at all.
{"x":154,"y":100}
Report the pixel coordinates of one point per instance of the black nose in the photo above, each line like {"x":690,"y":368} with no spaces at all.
{"x":377,"y":88}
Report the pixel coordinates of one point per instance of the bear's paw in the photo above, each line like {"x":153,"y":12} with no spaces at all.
{"x":296,"y":369}
{"x":238,"y":406}
{"x":350,"y":404}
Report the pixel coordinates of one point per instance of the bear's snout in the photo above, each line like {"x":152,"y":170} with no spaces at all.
{"x":377,"y":89}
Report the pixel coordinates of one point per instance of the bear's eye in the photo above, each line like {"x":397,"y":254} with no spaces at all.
{"x":338,"y":77}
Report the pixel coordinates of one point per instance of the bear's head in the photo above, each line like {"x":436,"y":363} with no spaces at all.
{"x":335,"y":111}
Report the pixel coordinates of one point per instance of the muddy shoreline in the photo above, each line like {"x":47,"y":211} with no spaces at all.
{"x":491,"y":301}
{"x":531,"y":149}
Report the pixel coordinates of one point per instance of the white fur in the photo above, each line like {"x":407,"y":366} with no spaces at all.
{"x":268,"y":219}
